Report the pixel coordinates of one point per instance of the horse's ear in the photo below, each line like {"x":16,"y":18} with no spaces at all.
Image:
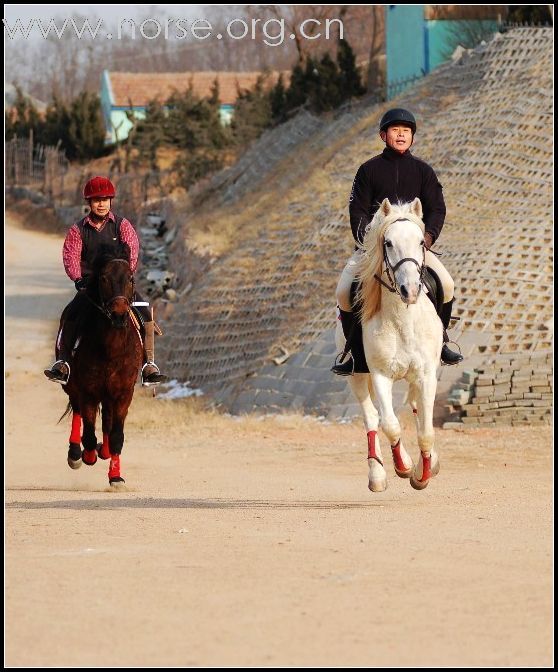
{"x":385,"y":207}
{"x":416,"y":208}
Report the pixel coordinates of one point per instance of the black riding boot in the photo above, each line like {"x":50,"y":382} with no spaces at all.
{"x":448,"y":356}
{"x":59,"y":372}
{"x":352,"y":329}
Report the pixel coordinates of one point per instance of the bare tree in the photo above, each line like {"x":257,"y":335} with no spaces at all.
{"x":293,"y":16}
{"x":68,"y":65}
{"x":376,"y":78}
{"x":467,"y":34}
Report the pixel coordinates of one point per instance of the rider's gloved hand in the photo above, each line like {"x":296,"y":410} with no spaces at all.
{"x":428,"y":240}
{"x":81,"y":284}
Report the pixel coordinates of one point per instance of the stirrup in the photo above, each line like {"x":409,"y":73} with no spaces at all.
{"x":455,"y":353}
{"x":343,"y":372}
{"x":151,"y":383}
{"x":51,"y":375}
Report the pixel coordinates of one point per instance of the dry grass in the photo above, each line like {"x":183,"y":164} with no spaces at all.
{"x":221,"y":229}
{"x":181,"y":418}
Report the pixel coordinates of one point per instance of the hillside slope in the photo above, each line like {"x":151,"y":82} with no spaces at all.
{"x":484,"y":124}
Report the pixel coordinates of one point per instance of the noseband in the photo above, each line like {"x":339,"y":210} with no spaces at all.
{"x":392,"y":287}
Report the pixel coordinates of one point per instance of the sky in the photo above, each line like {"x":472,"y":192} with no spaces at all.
{"x":111,"y":12}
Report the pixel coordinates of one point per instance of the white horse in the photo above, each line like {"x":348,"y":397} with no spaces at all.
{"x":402,"y":338}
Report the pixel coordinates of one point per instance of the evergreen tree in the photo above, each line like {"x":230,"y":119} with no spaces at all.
{"x":252,"y":114}
{"x":198,"y":165}
{"x":296,"y":95}
{"x":151,"y":133}
{"x":218,"y":135}
{"x":57,"y":124}
{"x":350,"y":84}
{"x":193,"y":124}
{"x":185,"y":119}
{"x":86,"y":130}
{"x":324,"y":91}
{"x":278,"y":101}
{"x":22,"y":118}
{"x":536,"y":14}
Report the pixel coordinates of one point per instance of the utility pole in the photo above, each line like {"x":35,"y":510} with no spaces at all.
{"x":31,"y":152}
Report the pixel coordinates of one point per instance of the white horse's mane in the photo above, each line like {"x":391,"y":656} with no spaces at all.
{"x":369,"y":294}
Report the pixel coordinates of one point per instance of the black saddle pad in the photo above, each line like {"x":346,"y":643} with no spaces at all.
{"x":435,"y":290}
{"x":431,"y":282}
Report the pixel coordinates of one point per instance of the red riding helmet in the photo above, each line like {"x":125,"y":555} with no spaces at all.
{"x":99,"y":187}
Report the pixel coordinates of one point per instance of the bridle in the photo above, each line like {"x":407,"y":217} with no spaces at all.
{"x":392,"y":287}
{"x":104,"y":306}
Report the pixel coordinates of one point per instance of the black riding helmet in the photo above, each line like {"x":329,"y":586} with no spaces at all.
{"x":398,"y":116}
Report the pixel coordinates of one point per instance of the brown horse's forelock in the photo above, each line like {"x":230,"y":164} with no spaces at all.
{"x":119,"y":273}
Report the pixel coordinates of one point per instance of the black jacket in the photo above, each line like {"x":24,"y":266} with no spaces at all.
{"x":398,"y":177}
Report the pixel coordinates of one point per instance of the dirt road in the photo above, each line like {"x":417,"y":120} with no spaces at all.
{"x":256,"y":542}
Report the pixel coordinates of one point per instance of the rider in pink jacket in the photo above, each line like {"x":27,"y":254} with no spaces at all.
{"x":100,"y":229}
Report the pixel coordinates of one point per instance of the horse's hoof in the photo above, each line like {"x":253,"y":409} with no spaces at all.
{"x":419,"y":485}
{"x":404,"y":474}
{"x":377,"y":477}
{"x":89,"y":454}
{"x":436,"y":468}
{"x":74,"y":456}
{"x":117,"y":484}
{"x":377,"y":486}
{"x":74,"y":464}
{"x":100,"y":452}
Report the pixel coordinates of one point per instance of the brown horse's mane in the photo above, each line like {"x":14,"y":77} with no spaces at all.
{"x":108,"y":253}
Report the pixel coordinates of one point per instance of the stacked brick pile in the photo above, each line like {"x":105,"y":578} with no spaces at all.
{"x":504,"y":391}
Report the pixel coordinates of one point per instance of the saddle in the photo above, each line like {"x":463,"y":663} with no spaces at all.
{"x":432,"y":286}
{"x":435,"y":290}
{"x":137,"y":321}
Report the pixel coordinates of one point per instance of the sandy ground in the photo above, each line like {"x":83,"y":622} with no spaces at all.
{"x":255,"y":542}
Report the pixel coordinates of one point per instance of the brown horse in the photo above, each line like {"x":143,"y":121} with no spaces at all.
{"x":105,"y":365}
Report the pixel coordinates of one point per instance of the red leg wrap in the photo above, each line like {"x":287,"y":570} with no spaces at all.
{"x":114,"y":468}
{"x":75,"y":436}
{"x":105,"y":452}
{"x":397,"y":460}
{"x":372,"y":444}
{"x":89,"y":457}
{"x":426,"y":470}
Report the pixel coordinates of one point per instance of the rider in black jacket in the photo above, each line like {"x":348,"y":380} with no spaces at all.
{"x":399,"y":176}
